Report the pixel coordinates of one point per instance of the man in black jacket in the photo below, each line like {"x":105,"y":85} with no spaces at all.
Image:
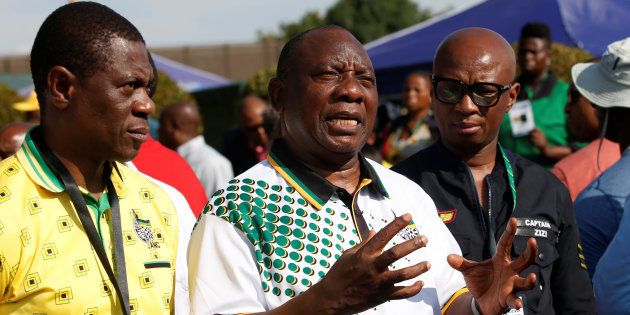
{"x":477,"y":186}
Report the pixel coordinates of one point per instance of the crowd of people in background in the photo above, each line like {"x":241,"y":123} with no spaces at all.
{"x":495,"y":187}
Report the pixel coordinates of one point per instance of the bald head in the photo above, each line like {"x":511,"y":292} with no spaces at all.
{"x":179,"y":123}
{"x":469,"y":115}
{"x":11,"y":137}
{"x":480,"y":46}
{"x":250,"y":108}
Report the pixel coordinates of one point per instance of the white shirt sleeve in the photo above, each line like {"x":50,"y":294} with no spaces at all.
{"x":216,"y":172}
{"x":186,"y":220}
{"x":222,"y":273}
{"x":442,"y":243}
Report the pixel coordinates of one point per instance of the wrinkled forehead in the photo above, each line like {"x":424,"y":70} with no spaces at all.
{"x":331,"y":47}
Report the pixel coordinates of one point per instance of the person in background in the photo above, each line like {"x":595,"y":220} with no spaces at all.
{"x":81,"y":233}
{"x":477,"y":186}
{"x":611,"y":281}
{"x":411,"y":132}
{"x":580,"y":168}
{"x":163,"y":166}
{"x":295,"y":234}
{"x":179,"y":131}
{"x":545,"y":94}
{"x":11,"y":138}
{"x":166,"y":166}
{"x":248,"y":143}
{"x":30,"y":108}
{"x":599,"y":208}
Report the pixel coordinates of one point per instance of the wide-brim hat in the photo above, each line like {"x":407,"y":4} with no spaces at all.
{"x":29,"y":105}
{"x":606,"y":83}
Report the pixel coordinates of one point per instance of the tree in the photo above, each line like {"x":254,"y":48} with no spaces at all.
{"x":366,"y":19}
{"x":372,"y":19}
{"x":310,"y":20}
{"x":167,"y":92}
{"x":9,"y":96}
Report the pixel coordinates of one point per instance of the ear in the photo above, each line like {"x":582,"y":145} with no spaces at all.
{"x":61,"y":83}
{"x":276,"y":90}
{"x":513,"y":94}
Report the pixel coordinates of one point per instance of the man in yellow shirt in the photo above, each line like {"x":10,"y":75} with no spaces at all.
{"x":79,"y":232}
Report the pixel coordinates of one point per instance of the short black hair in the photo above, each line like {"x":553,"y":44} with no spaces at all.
{"x":537,"y":30}
{"x":77,"y":36}
{"x":286,"y":55}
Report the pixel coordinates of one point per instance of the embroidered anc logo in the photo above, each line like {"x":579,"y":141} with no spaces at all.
{"x":144,"y":231}
{"x":447,"y":216}
{"x":409,"y":232}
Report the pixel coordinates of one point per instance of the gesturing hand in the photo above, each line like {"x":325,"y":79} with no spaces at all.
{"x":494,"y":282}
{"x":360,"y":279}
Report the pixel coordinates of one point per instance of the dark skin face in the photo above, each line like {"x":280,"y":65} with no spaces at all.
{"x":617,"y":130}
{"x":251,"y":121}
{"x":466,"y":128}
{"x":113,"y":105}
{"x":327,"y":101}
{"x":533,"y":56}
{"x":103,"y":117}
{"x":582,"y":120}
{"x":417,"y":93}
{"x":178,"y":124}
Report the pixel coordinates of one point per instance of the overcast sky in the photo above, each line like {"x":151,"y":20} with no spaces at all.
{"x":174,"y":23}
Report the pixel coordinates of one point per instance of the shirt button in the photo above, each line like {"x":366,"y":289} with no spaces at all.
{"x":541,"y":256}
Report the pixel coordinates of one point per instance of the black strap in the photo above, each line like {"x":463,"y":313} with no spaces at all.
{"x":60,"y":170}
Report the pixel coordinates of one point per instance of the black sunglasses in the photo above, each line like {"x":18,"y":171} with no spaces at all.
{"x":483,"y":94}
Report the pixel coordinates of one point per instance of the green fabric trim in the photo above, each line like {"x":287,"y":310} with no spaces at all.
{"x":98,"y":207}
{"x":296,"y":179}
{"x":40,"y":161}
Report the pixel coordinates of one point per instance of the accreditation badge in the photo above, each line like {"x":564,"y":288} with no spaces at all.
{"x":522,"y":118}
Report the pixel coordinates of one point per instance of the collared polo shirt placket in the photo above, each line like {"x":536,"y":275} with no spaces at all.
{"x":293,"y":225}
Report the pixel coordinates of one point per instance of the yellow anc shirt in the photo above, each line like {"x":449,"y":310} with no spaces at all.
{"x":47,"y":264}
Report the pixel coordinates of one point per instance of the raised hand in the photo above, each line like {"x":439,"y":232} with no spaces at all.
{"x":495,"y":282}
{"x":360,"y":279}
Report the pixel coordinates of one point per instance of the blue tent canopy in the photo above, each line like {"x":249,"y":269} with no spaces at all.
{"x":588,"y":24}
{"x":188,"y":78}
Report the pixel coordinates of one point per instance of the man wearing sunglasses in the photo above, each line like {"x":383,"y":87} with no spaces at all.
{"x":477,"y":186}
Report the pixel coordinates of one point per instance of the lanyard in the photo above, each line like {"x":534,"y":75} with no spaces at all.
{"x":60,"y":170}
{"x":510,"y":174}
{"x":492,"y":243}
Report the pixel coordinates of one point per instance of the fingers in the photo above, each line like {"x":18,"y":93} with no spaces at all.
{"x":380,"y":239}
{"x":524,"y":284}
{"x":528,"y":257}
{"x":396,"y":276}
{"x":401,"y":292}
{"x":399,"y":251}
{"x":460,"y":263}
{"x":514,"y":301}
{"x":505,"y":242}
{"x":370,"y":235}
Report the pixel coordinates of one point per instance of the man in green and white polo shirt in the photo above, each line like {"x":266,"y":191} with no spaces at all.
{"x":295,"y":233}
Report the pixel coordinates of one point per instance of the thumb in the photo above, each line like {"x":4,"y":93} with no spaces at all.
{"x":455,"y":261}
{"x":458,"y":262}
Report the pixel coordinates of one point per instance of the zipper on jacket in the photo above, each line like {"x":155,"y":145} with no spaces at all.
{"x":478,"y":207}
{"x":492,"y":242}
